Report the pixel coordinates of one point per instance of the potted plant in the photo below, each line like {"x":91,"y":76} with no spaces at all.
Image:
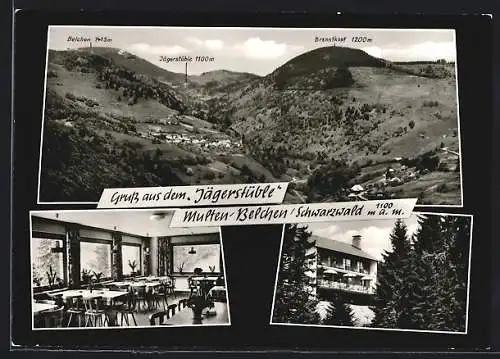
{"x":87,"y":279}
{"x":97,"y":276}
{"x":51,"y":276}
{"x":198,"y":303}
{"x":132,"y":266}
{"x":180,"y":268}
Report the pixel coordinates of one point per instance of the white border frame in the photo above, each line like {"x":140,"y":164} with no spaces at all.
{"x":229,"y":28}
{"x":386,"y":329}
{"x":33,"y":212}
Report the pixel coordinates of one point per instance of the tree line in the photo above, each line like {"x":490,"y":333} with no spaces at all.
{"x":422,"y":282}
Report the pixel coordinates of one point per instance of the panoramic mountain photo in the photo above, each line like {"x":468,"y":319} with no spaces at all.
{"x":340,"y":114}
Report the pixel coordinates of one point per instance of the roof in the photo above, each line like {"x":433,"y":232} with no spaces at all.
{"x":331,"y":244}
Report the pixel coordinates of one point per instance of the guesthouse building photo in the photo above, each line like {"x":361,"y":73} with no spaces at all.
{"x":124,"y":268}
{"x":384,"y":274}
{"x":344,"y":267}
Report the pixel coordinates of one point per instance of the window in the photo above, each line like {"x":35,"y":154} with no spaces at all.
{"x":326,"y":258}
{"x":47,"y":262}
{"x":188,"y":257}
{"x":96,"y":257}
{"x":347,"y":264}
{"x":131,"y":259}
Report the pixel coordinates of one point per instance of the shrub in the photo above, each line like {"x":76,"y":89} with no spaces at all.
{"x":427,"y":162}
{"x":209,"y":175}
{"x":443,"y":167}
{"x":443,"y":188}
{"x":91,"y":103}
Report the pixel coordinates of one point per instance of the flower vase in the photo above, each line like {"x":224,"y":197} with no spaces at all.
{"x":197,"y":314}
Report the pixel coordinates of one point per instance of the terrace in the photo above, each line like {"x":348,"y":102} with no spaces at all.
{"x":104,"y":268}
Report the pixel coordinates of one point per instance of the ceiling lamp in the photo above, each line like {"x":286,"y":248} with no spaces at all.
{"x":157,"y":216}
{"x":192,"y":251}
{"x":57,"y":249}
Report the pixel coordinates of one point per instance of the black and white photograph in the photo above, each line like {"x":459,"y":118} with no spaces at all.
{"x":340,"y":114}
{"x":105,"y":269}
{"x":406,"y":274}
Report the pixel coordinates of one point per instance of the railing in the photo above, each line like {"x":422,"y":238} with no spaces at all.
{"x":344,"y":286}
{"x":347,"y":268}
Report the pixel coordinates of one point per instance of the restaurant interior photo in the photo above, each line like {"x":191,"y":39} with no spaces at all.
{"x":124,"y":268}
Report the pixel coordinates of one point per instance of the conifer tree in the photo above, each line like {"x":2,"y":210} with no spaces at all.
{"x":339,"y":313}
{"x":428,"y":289}
{"x":423,"y":273}
{"x":391,"y":297}
{"x":294,"y":299}
{"x":451,"y":264}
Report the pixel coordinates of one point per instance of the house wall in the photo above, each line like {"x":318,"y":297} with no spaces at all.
{"x":313,"y":266}
{"x":48,"y":226}
{"x":341,"y":257}
{"x":373,"y":273}
{"x":39,"y":225}
{"x":196,"y":238}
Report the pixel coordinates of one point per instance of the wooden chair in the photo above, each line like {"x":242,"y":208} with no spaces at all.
{"x":193,"y":286}
{"x":220,"y":281}
{"x":126,"y":309}
{"x":171,"y":287}
{"x":93,"y":311}
{"x":171,"y":308}
{"x":53,"y":318}
{"x":182,"y":303}
{"x":140,"y":295}
{"x":75,"y":307}
{"x":160,"y":296}
{"x":158,"y":318}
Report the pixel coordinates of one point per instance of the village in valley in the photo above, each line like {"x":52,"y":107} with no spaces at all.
{"x":179,"y":130}
{"x":397,"y":175}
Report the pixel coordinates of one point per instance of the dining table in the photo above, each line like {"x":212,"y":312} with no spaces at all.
{"x":38,"y":308}
{"x":110,"y":295}
{"x":145,"y":284}
{"x":202,"y":278}
{"x":185,"y":316}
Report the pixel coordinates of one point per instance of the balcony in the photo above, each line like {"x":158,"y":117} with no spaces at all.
{"x":329,"y":284}
{"x":345,"y":268}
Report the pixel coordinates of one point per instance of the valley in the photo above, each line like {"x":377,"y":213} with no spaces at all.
{"x":335,"y":122}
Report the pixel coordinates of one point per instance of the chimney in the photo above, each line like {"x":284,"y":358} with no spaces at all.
{"x":356,"y":241}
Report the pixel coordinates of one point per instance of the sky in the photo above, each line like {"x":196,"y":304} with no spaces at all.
{"x":255,"y":50}
{"x":374,"y":233}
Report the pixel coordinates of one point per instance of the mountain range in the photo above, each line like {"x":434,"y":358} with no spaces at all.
{"x":325,"y":120}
